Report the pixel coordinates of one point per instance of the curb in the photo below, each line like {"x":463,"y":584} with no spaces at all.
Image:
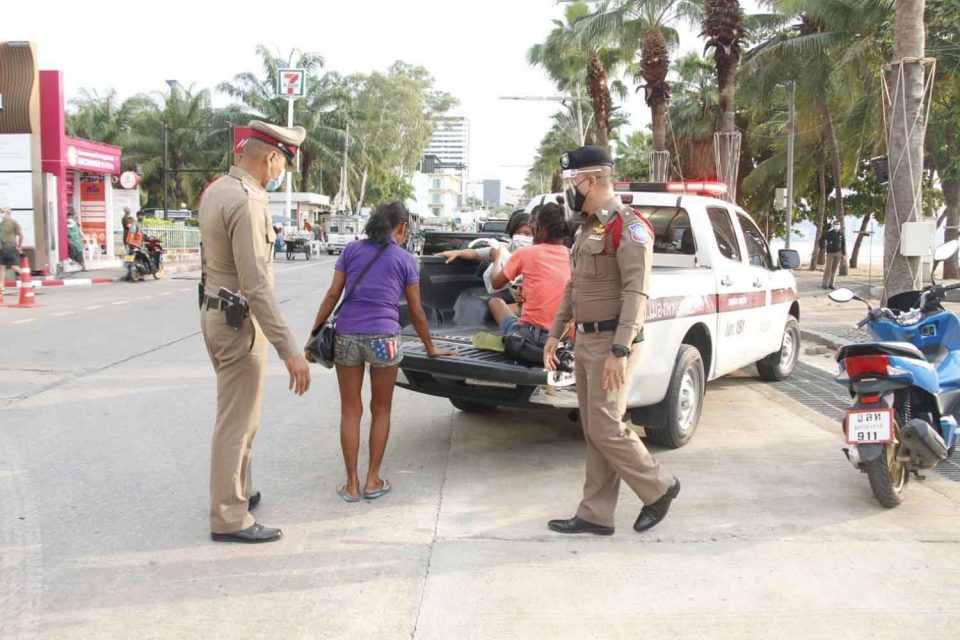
{"x":86,"y":282}
{"x":825,"y":339}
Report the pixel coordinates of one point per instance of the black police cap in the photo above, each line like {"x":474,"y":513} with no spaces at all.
{"x":587,"y":156}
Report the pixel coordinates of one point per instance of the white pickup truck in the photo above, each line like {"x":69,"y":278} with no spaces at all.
{"x":341,"y":231}
{"x":719,"y":301}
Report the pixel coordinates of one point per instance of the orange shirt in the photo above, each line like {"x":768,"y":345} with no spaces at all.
{"x":545,"y":269}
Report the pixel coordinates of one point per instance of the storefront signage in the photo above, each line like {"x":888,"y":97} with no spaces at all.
{"x":291,"y":82}
{"x":129,"y":180}
{"x":85,"y":155}
{"x":15,"y":152}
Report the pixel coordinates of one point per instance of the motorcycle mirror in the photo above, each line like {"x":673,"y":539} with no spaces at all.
{"x":946,"y":250}
{"x":842,"y":295}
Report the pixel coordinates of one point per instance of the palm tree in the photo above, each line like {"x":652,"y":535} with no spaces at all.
{"x":644,"y":26}
{"x":573,"y":62}
{"x":723,"y":27}
{"x":695,"y":114}
{"x":102,"y":117}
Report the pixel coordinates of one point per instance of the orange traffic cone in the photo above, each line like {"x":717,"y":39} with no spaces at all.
{"x":27,"y":298}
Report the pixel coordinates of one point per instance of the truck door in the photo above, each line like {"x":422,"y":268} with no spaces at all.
{"x":761,"y":267}
{"x":738,"y":296}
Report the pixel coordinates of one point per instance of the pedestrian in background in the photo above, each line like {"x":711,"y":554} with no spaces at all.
{"x":237,"y":260}
{"x":75,"y":241}
{"x":607,"y":298}
{"x":375,"y":272}
{"x":127,"y":222}
{"x":835,"y":246}
{"x":11,"y":243}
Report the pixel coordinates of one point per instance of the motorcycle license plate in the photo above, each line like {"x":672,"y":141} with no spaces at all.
{"x":128,"y":258}
{"x":869,"y":426}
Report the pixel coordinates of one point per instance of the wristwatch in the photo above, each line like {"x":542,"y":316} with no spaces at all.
{"x":619,"y":351}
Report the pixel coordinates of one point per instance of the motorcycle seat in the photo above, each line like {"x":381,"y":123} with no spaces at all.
{"x":898,"y":349}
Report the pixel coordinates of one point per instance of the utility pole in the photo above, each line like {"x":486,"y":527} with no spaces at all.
{"x":290,"y":100}
{"x":791,"y":119}
{"x":165,"y":145}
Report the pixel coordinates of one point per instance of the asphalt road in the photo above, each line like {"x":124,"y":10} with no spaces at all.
{"x":106,"y":411}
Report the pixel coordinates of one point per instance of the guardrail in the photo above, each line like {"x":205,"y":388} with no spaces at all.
{"x":176,"y":239}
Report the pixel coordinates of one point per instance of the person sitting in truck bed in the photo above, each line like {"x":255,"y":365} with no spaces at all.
{"x":545,"y":268}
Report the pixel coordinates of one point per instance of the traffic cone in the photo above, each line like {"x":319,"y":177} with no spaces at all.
{"x":27,"y":299}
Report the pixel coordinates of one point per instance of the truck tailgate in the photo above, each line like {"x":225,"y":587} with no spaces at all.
{"x":476,"y":365}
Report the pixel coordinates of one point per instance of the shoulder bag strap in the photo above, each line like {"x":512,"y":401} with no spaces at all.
{"x":356,"y":283}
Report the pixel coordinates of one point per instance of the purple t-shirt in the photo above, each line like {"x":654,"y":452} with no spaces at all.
{"x":374,"y":308}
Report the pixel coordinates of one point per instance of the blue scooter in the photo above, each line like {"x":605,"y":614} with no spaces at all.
{"x":906,"y":386}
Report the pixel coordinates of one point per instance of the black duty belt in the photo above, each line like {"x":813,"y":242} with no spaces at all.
{"x":215,"y":303}
{"x":597,"y":327}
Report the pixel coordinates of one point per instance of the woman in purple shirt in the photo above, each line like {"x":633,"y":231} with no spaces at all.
{"x":368,"y":332}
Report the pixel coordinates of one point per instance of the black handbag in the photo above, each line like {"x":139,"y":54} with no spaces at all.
{"x":320,"y":346}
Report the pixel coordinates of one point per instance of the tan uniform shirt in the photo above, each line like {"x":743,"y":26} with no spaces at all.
{"x":606,"y":282}
{"x":10,"y":230}
{"x":238,"y":251}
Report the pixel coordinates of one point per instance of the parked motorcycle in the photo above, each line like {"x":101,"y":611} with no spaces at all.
{"x":906,"y":386}
{"x":145,"y":260}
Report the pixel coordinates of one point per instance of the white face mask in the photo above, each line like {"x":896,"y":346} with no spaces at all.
{"x":520,"y":241}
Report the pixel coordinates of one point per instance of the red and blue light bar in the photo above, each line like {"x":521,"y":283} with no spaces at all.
{"x":700,"y":187}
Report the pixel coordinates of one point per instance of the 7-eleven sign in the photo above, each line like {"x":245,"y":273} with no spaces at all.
{"x":291,"y":83}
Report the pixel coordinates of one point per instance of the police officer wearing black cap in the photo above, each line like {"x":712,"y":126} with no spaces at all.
{"x":606,"y":298}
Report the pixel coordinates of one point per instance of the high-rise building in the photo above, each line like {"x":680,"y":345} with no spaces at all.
{"x":451,"y":143}
{"x":491,"y":194}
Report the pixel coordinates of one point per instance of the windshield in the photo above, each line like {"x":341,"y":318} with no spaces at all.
{"x":672,"y":231}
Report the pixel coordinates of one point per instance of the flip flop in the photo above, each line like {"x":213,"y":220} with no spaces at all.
{"x":384,"y":489}
{"x":346,"y":497}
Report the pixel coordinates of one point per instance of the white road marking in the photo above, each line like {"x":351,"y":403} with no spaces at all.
{"x":184,"y":289}
{"x":120,"y":302}
{"x":94,"y":306}
{"x":62,"y":313}
{"x":24,"y":321}
{"x":167,"y":293}
{"x":306,"y":266}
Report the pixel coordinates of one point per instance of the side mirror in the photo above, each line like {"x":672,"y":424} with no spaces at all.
{"x":788,"y":259}
{"x":945,"y":251}
{"x":841,"y":295}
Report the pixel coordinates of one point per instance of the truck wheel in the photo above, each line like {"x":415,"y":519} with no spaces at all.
{"x":684,"y":401}
{"x":781,"y":365}
{"x":473,"y":407}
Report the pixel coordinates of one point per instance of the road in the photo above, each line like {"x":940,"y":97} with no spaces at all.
{"x":106,"y":412}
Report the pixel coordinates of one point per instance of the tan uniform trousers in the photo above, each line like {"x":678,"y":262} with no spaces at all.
{"x":239,"y":357}
{"x":830,"y":268}
{"x":614,"y":451}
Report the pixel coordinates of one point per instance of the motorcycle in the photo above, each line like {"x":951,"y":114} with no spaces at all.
{"x":145,"y":260}
{"x":906,"y":386}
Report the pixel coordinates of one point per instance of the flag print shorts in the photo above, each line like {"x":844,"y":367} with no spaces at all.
{"x":379,"y":351}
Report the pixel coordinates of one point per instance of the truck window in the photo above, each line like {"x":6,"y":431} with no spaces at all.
{"x":724,"y":233}
{"x":757,"y":249}
{"x":334,"y":229}
{"x":672,"y":232}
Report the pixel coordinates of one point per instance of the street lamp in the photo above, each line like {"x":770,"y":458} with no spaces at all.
{"x":577,"y":100}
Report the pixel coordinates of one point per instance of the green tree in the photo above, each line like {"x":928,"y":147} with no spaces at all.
{"x":632,"y":156}
{"x":695,"y":114}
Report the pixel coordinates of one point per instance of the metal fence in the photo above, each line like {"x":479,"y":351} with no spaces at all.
{"x":179,"y":238}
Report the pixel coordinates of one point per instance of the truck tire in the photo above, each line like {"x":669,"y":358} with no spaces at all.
{"x":781,"y":365}
{"x":684,"y":401}
{"x":473,"y":407}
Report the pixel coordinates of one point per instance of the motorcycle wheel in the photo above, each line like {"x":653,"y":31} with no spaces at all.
{"x":887,"y":476}
{"x":158,"y":271}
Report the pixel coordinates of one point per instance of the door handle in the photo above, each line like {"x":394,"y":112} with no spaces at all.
{"x":726,"y":281}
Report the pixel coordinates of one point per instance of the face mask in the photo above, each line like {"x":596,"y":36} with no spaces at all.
{"x":836,"y":227}
{"x":574,"y":200}
{"x":520,"y":241}
{"x":275,"y":183}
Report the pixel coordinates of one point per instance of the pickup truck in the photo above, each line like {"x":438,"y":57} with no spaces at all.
{"x":341,"y":231}
{"x":719,"y":301}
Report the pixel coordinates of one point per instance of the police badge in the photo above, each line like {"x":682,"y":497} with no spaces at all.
{"x":565,"y":160}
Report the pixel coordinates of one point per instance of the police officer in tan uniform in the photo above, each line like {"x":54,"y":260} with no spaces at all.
{"x":606,"y":298}
{"x":238,"y":314}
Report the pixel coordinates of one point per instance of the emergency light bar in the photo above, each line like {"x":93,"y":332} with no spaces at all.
{"x":702,"y":188}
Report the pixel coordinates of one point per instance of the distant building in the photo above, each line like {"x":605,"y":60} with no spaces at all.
{"x":451,"y":144}
{"x":437,"y":194}
{"x":491,"y":193}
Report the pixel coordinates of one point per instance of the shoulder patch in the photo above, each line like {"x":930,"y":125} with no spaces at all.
{"x":639,"y":233}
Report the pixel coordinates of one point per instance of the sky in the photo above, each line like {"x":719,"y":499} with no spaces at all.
{"x":475,"y":51}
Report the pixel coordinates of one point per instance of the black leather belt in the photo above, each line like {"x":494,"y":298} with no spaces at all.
{"x":214,"y":303}
{"x":597,"y":327}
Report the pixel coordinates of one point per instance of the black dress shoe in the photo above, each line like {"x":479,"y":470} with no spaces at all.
{"x":651,"y":514}
{"x":579,"y":525}
{"x":252,"y":535}
{"x":253,"y":502}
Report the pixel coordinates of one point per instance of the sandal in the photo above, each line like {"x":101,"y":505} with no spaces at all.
{"x":384,"y":489}
{"x":346,"y":497}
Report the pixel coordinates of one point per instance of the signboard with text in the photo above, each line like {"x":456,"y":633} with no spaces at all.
{"x":85,"y":155}
{"x":291,"y":83}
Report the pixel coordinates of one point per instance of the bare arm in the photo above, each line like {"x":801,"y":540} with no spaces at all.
{"x":419,"y":320}
{"x":330,"y":300}
{"x":454,"y":254}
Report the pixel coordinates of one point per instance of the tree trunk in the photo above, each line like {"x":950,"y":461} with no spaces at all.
{"x":817,"y":257}
{"x":600,"y":96}
{"x":864,"y":225}
{"x":363,"y":190}
{"x":951,"y":198}
{"x":658,"y":116}
{"x":905,"y":146}
{"x":831,"y":135}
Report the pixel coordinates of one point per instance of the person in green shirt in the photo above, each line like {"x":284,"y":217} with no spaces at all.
{"x":75,"y":241}
{"x":11,"y":242}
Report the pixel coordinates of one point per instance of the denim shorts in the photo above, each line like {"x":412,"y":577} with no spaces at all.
{"x":378,"y":351}
{"x":508,"y":323}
